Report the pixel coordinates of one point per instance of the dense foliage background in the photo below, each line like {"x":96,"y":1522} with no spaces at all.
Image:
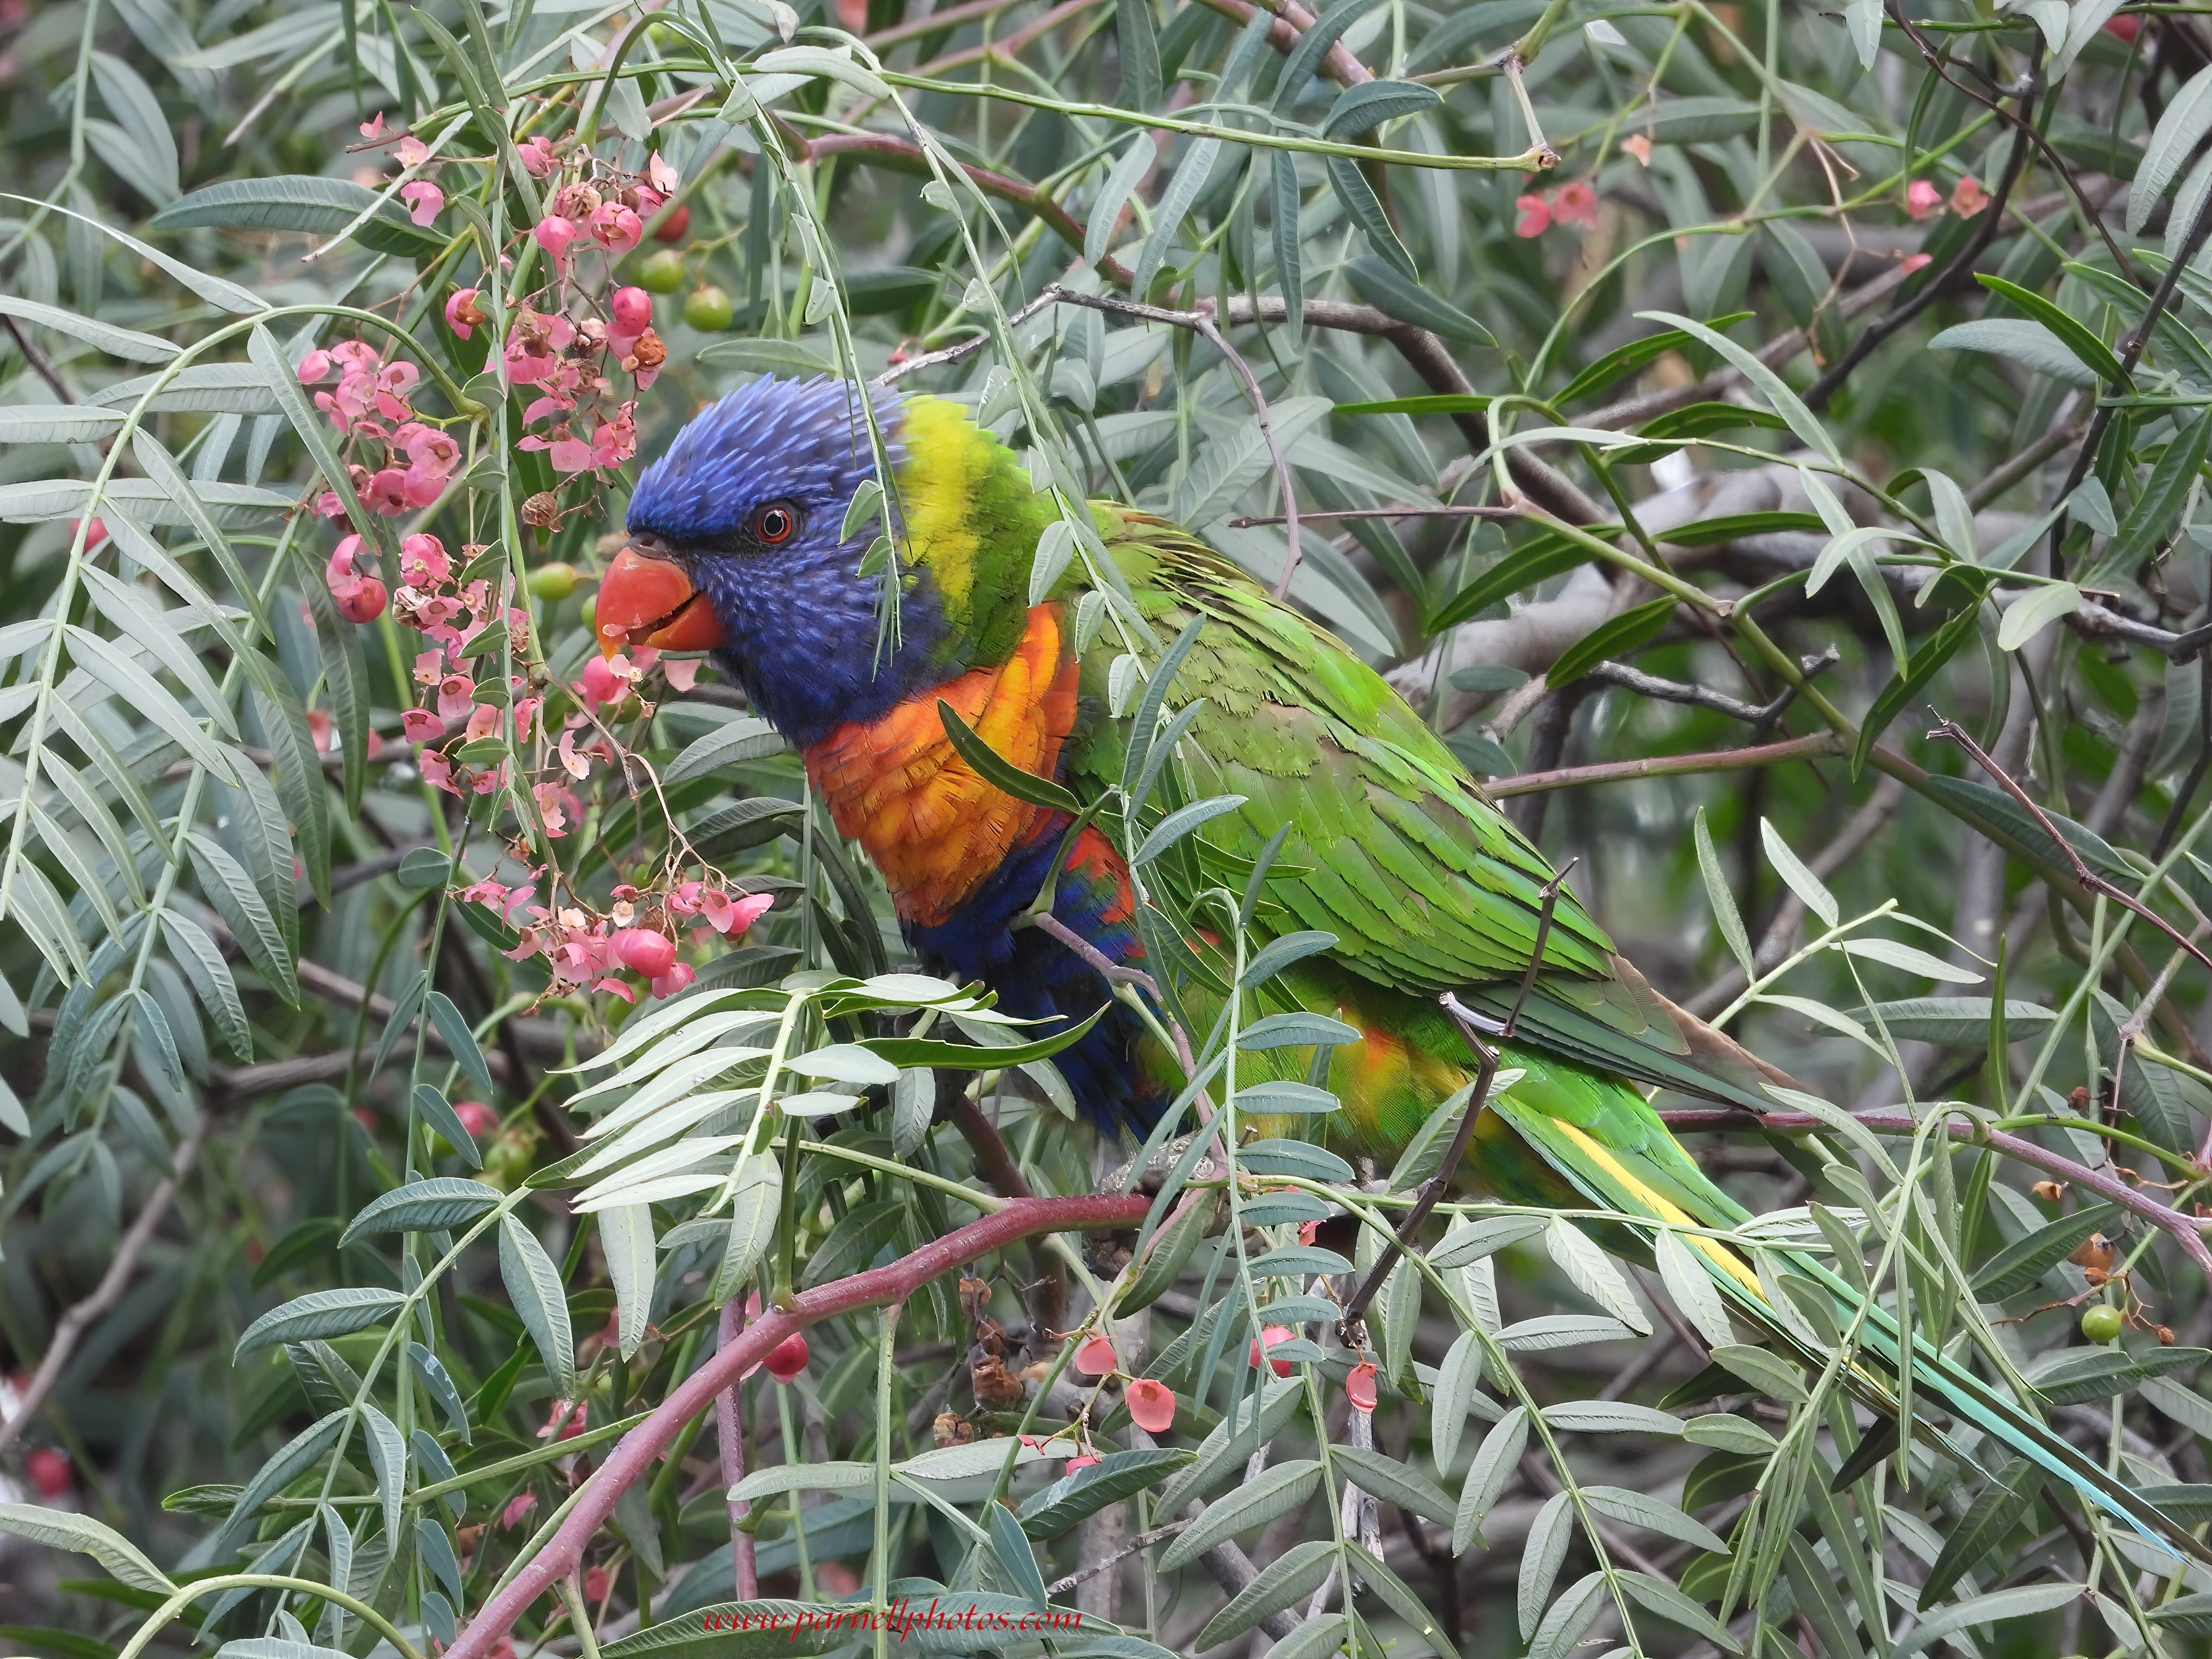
{"x":421,"y":1038}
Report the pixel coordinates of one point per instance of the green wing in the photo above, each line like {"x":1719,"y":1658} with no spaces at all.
{"x":1393,"y":847}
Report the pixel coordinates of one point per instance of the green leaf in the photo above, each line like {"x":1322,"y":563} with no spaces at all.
{"x":1542,"y":1555}
{"x":319,"y":1313}
{"x":321,"y":207}
{"x":428,"y":1205}
{"x":1628,"y":358}
{"x":1769,"y":385}
{"x":1180,"y":822}
{"x":1367,"y":104}
{"x":124,"y":343}
{"x":1725,"y":917}
{"x":726,"y":746}
{"x":1001,"y":773}
{"x":454,"y":1028}
{"x":1291,"y":1576}
{"x":2184,"y":122}
{"x":387,"y":1457}
{"x":1994,"y":1513}
{"x":1285,"y":1487}
{"x":1393,"y":292}
{"x":1010,"y":1548}
{"x":533,"y":1286}
{"x":1614,"y":637}
{"x":1056,"y":1509}
{"x":1495,"y":1462}
{"x":2094,"y":355}
{"x":60,"y":1530}
{"x":1394,"y":1482}
{"x":1359,"y":200}
{"x":1536,"y":561}
{"x":433,"y":1107}
{"x":2151,"y":520}
{"x":1140,"y":54}
{"x":1906,"y":685}
{"x":739,"y":1630}
{"x":2079,"y":1378}
{"x":2026,"y":343}
{"x":2021,"y":1266}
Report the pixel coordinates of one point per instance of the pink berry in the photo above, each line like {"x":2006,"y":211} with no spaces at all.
{"x":365,"y":603}
{"x":478,"y":1119}
{"x":645,"y":951}
{"x":789,"y":1358}
{"x":632,"y":308}
{"x":1270,"y":1336}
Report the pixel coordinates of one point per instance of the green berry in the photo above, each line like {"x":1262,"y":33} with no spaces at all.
{"x":708,"y":309}
{"x":2103,"y":1322}
{"x":662,"y":272}
{"x":588,"y":610}
{"x":553,"y":582}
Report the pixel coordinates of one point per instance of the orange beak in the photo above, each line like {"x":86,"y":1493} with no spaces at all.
{"x":644,"y":600}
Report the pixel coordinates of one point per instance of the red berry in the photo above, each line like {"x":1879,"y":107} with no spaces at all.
{"x":646,"y":951}
{"x":365,"y":603}
{"x":49,"y":1471}
{"x":673,"y":227}
{"x":476,"y":1117}
{"x":98,"y":533}
{"x":789,"y":1358}
{"x":595,"y":1583}
{"x":2124,"y":26}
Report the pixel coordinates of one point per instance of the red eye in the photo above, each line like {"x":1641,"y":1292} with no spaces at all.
{"x":775,"y":524}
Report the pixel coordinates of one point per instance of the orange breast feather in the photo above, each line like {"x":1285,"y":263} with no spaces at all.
{"x":932,"y":825}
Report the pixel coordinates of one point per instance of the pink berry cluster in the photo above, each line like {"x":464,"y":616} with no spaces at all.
{"x":637,"y":933}
{"x":414,"y":459}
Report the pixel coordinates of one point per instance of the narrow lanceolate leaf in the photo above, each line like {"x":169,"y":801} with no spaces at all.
{"x":59,"y":1530}
{"x":1691,"y":1288}
{"x":236,"y":900}
{"x":1594,"y":1274}
{"x":2158,"y":507}
{"x":1277,"y":1491}
{"x":1117,"y":1475}
{"x":1779,"y":398}
{"x":321,"y":1313}
{"x":387,"y":1456}
{"x":2172,"y":142}
{"x":302,"y":1453}
{"x":1542,"y":1558}
{"x":1290,"y":1577}
{"x":1453,"y":1397}
{"x":1638,"y":1509}
{"x":1802,"y":882}
{"x":454,"y":1026}
{"x":627,"y":1242}
{"x":2021,"y":1266}
{"x":1726,"y":916}
{"x":422,"y":1206}
{"x":1393,"y":1483}
{"x":533,"y":1286}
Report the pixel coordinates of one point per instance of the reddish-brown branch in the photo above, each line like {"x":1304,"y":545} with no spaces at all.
{"x":2184,"y":1229}
{"x":635,"y":1453}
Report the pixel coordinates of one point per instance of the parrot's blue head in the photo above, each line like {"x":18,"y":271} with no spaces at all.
{"x":737,"y":545}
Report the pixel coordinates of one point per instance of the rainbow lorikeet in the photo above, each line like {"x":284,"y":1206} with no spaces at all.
{"x":1379,"y":836}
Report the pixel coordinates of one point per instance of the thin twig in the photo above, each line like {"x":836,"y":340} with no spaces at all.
{"x":1698,"y":696}
{"x":1818,"y":746}
{"x":730,"y":1430}
{"x":635,"y":1456}
{"x":1256,"y":519}
{"x":1142,"y":1541}
{"x":41,"y":365}
{"x":71,"y":1329}
{"x":2089,"y":879}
